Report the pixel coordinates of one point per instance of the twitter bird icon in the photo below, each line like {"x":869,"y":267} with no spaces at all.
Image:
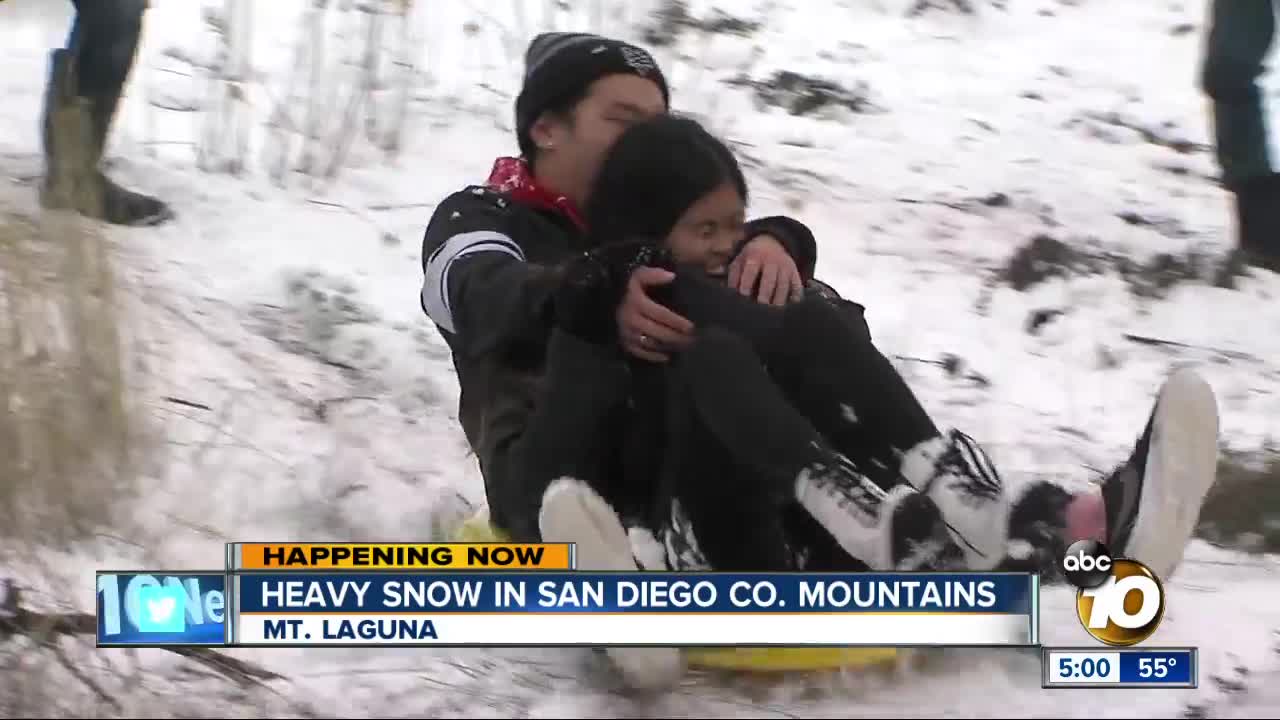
{"x":162,"y":609}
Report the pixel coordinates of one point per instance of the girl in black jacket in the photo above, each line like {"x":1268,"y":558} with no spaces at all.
{"x":784,"y":439}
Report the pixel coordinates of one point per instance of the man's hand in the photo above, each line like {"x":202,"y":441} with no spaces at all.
{"x":765,"y":269}
{"x":646,"y":329}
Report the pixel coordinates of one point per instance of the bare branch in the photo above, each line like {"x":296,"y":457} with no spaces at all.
{"x":65,"y":662}
{"x":188,"y":403}
{"x":49,"y":626}
{"x":359,"y":96}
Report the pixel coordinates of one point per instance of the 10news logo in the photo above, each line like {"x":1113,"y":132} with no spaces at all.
{"x":1119,"y":601}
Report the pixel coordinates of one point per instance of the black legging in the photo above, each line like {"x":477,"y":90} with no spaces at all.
{"x":572,"y":431}
{"x":765,"y":392}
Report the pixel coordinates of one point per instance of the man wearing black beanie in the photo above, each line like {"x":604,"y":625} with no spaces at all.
{"x":507,"y":267}
{"x":560,"y":69}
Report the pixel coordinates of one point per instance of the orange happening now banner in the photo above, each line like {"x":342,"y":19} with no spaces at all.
{"x":400,"y":556}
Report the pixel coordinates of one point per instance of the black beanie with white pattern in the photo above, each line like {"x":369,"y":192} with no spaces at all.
{"x":559,"y":65}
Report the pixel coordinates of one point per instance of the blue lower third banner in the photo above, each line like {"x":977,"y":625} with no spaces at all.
{"x":161,"y":608}
{"x":671,"y":609}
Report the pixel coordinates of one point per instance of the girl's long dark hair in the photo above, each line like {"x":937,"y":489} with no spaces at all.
{"x":655,"y":171}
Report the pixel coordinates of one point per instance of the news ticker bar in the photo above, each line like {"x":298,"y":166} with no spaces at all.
{"x":1085,"y":667}
{"x":576,"y":608}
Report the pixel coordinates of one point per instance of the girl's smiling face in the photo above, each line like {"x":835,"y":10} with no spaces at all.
{"x":709,"y":230}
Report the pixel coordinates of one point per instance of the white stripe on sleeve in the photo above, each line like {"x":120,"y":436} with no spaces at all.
{"x":435,"y":284}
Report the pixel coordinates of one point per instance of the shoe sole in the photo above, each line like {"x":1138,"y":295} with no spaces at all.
{"x":573,"y":512}
{"x":1181,"y":466}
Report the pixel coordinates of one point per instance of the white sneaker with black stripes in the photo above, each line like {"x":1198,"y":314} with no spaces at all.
{"x":573,"y":512}
{"x":955,"y":473}
{"x":899,"y":530}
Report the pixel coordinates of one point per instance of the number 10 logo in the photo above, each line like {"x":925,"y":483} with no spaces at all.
{"x":1119,"y":602}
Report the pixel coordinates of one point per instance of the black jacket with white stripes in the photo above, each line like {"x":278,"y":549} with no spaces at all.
{"x":491,"y":268}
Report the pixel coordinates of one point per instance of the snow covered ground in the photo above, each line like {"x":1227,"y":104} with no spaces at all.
{"x":291,"y":313}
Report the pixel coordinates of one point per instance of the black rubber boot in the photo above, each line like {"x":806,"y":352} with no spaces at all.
{"x":1258,"y":210}
{"x":75,"y":134}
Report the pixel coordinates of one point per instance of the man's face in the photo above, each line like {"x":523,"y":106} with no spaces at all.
{"x":612,"y":104}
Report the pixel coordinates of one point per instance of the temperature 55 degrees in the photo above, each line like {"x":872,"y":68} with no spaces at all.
{"x":1156,"y":668}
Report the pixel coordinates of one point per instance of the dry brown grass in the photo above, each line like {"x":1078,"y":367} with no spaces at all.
{"x":68,"y":430}
{"x":1243,"y":509}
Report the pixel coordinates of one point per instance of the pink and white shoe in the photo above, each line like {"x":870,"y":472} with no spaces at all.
{"x":1153,"y":500}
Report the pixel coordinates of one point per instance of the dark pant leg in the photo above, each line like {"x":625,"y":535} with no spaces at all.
{"x":568,"y":433}
{"x":93,"y":67}
{"x":1240,"y":34}
{"x":735,"y":520}
{"x":822,"y":372}
{"x":739,"y":521}
{"x":820,"y":354}
{"x":832,"y":364}
{"x":826,"y":363}
{"x":731,"y":392}
{"x":824,"y":360}
{"x":104,"y":40}
{"x":776,"y":449}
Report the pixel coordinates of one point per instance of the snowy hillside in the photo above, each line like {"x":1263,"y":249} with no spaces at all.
{"x":303,"y":395}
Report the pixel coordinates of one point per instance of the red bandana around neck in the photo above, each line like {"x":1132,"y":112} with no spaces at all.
{"x":511,"y":176}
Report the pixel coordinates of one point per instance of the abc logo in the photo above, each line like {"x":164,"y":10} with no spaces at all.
{"x":1119,"y":602}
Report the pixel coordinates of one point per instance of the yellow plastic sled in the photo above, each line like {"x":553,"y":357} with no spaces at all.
{"x":756,"y":660}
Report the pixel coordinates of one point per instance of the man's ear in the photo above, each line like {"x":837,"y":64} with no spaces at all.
{"x":548,"y":131}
